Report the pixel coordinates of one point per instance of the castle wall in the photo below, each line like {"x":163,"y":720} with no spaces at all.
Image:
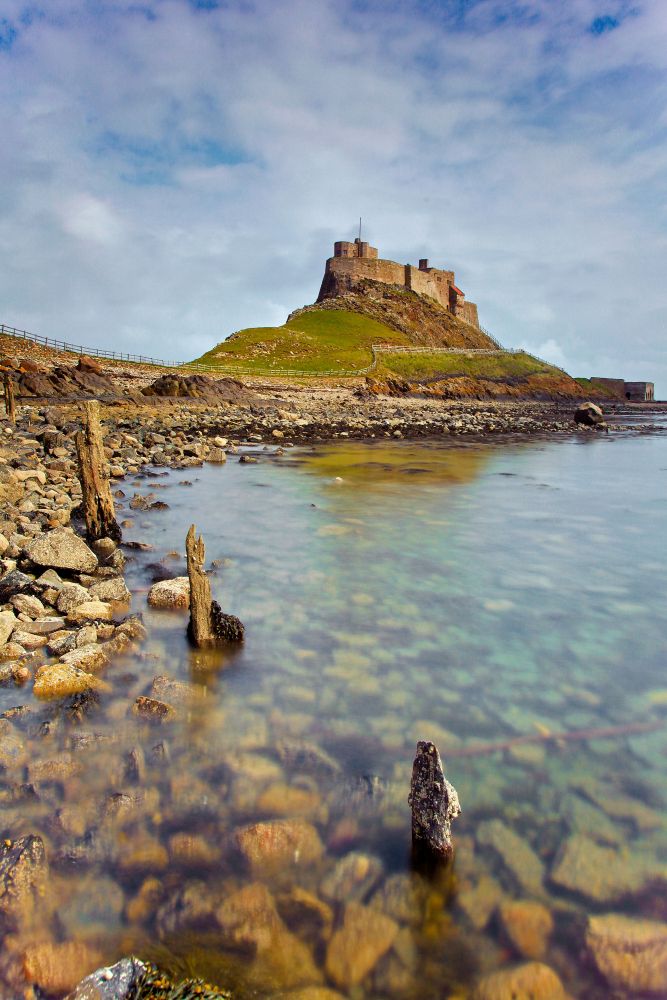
{"x":469,"y":313}
{"x":360,"y":260}
{"x":367,"y":267}
{"x":430,"y":282}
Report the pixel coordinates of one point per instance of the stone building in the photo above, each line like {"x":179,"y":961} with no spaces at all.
{"x":360,"y":260}
{"x":639,"y":392}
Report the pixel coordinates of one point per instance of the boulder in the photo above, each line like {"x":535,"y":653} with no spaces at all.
{"x":61,"y":549}
{"x":113,"y":589}
{"x":630,"y":953}
{"x":170,"y":593}
{"x":589,"y":414}
{"x":86,"y":364}
{"x":60,"y":680}
{"x":533,"y":981}
{"x":71,"y":596}
{"x":91,"y":611}
{"x":12,"y":583}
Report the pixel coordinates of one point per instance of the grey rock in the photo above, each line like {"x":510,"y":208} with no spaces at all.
{"x":111,"y":983}
{"x":61,"y":549}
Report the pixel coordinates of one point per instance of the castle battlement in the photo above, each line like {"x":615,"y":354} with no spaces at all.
{"x":358,"y":260}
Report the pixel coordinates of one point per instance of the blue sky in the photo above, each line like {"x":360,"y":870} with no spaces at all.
{"x":174,"y":170}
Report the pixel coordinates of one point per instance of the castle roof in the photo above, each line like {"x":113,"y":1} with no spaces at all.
{"x":457,"y":290}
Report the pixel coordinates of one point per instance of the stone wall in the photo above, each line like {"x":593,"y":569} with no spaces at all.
{"x":431,"y":282}
{"x":368,"y":267}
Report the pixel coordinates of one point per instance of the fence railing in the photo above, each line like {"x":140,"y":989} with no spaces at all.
{"x":268,"y":371}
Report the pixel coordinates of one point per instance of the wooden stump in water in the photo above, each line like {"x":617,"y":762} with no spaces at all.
{"x":209,"y":625}
{"x":97,"y":499}
{"x":10,"y":406}
{"x":434,"y":802}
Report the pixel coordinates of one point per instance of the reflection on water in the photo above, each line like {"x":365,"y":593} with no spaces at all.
{"x":390,"y":593}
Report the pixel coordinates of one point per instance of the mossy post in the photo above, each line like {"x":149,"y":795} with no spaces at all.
{"x":209,"y":625}
{"x":10,"y":406}
{"x":97,"y":499}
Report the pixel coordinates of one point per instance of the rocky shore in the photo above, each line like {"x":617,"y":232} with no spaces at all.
{"x":65,"y":616}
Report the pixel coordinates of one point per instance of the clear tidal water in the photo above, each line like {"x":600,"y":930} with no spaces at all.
{"x":391,"y":592}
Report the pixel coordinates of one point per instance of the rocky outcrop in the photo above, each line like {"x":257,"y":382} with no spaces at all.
{"x":224,"y":390}
{"x":423,"y":319}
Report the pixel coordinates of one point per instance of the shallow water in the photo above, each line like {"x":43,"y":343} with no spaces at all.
{"x":391,"y":592}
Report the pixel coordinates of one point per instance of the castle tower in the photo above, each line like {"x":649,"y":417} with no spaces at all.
{"x":357,"y":249}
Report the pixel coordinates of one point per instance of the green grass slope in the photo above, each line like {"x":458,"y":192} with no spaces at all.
{"x":314,"y":342}
{"x":427,"y":365}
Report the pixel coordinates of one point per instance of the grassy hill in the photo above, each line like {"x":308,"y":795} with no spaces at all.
{"x":318,"y":342}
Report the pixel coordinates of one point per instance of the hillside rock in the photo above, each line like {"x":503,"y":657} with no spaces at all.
{"x":423,"y":319}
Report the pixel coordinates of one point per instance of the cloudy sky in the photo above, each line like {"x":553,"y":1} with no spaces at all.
{"x":175,"y":170}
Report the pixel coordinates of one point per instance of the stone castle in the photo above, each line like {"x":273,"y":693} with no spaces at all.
{"x":354,"y":261}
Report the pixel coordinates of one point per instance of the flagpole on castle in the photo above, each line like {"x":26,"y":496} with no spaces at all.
{"x":360,"y":229}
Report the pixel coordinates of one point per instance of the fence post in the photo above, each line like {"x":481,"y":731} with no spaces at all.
{"x":10,"y":406}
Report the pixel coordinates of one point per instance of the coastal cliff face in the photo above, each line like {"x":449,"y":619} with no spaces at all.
{"x":424,"y":320}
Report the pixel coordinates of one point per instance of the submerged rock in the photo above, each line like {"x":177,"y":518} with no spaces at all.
{"x":352,"y":878}
{"x":601,"y":874}
{"x":528,"y":925}
{"x":434,"y":802}
{"x":23,"y":874}
{"x":630,"y":953}
{"x":517,"y":856}
{"x":279,"y":845}
{"x":359,"y":944}
{"x":248,"y":919}
{"x":56,"y":968}
{"x":533,"y":981}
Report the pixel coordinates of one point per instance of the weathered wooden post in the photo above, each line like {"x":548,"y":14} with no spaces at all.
{"x":434,"y":802}
{"x":97,"y":499}
{"x":209,"y":625}
{"x":10,"y":405}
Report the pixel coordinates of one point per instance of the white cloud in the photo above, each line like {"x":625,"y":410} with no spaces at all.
{"x":168,"y":180}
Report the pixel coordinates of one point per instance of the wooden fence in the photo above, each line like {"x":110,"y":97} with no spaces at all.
{"x":268,"y":371}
